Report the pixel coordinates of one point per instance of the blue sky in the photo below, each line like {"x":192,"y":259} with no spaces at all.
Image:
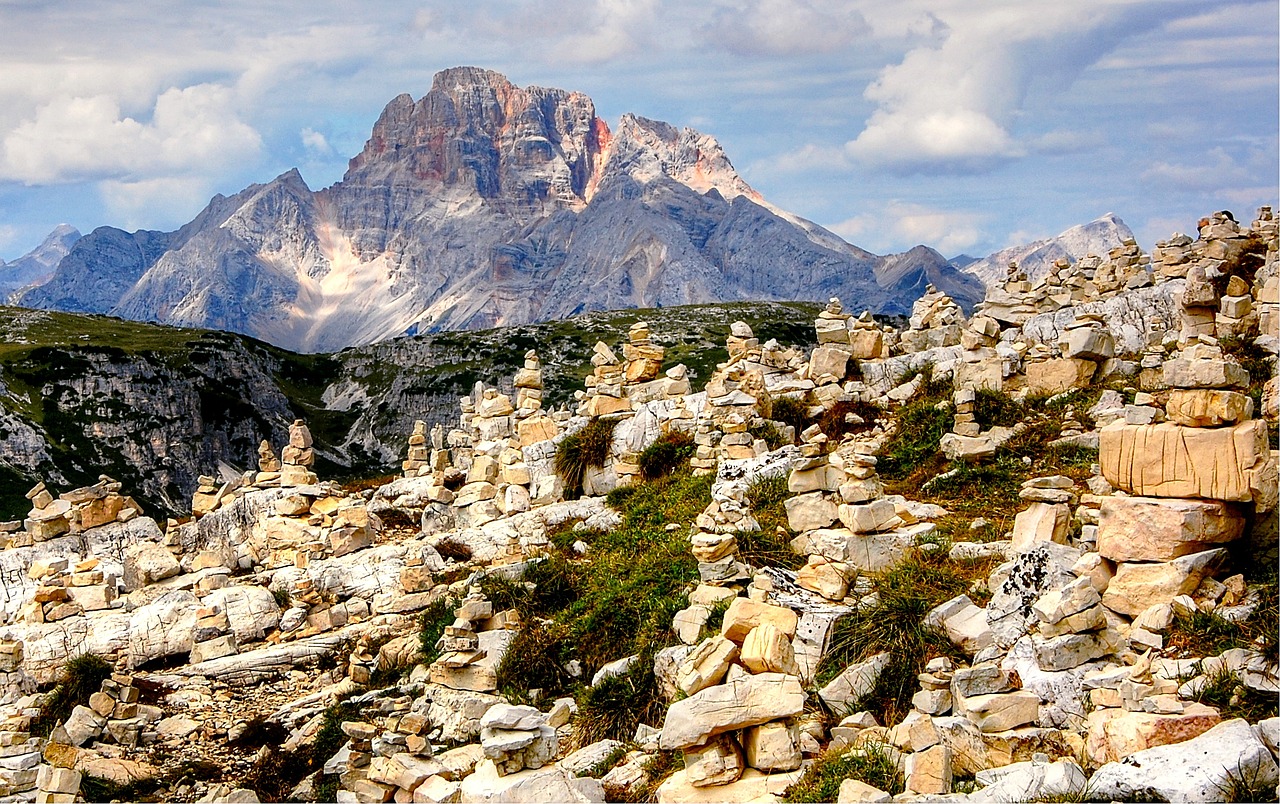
{"x":962,"y":124}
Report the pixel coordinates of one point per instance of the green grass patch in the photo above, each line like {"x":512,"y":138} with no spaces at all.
{"x":613,"y":709}
{"x":771,"y":544}
{"x":790,"y":411}
{"x":671,"y":451}
{"x":431,"y":624}
{"x":995,"y":409}
{"x":921,"y":425}
{"x":768,"y":432}
{"x":870,"y":764}
{"x":618,"y":601}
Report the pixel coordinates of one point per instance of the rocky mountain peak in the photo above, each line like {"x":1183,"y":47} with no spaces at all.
{"x":37,"y":265}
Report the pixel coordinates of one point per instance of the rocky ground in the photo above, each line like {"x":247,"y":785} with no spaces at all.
{"x":1027,"y":555}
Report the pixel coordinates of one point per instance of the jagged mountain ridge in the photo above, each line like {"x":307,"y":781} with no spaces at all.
{"x":38,"y":265}
{"x":1095,"y":237}
{"x":481,"y":204}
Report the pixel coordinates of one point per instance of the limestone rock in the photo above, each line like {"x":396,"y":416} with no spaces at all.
{"x":1136,"y":587}
{"x":1168,"y":460}
{"x":744,"y":701}
{"x":1193,"y":771}
{"x":1157,"y":529}
{"x":853,"y":683}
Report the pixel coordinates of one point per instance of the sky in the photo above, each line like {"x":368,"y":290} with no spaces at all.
{"x":967,"y":125}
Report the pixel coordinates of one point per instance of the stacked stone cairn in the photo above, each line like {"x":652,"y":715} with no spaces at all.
{"x":65,"y":590}
{"x":738,"y":723}
{"x":604,"y":394}
{"x":1084,"y":346}
{"x":473,"y":645}
{"x":936,"y":321}
{"x":114,"y":715}
{"x":74,"y":511}
{"x":844,"y":521}
{"x":298,"y":457}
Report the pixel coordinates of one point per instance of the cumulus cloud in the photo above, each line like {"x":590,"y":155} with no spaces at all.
{"x":950,"y":104}
{"x":315,"y":142}
{"x":898,"y":222}
{"x":786,"y":27}
{"x":74,"y":138}
{"x":135,"y":202}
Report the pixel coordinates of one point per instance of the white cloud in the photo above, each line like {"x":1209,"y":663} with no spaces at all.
{"x":8,"y":236}
{"x":950,"y":105}
{"x":786,"y":27}
{"x":902,"y":224}
{"x":315,"y":142}
{"x":135,"y":203}
{"x":73,"y":138}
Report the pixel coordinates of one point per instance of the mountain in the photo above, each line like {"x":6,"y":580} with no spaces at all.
{"x":480,"y":204}
{"x":908,"y":274}
{"x":1095,"y":237}
{"x":38,"y":265}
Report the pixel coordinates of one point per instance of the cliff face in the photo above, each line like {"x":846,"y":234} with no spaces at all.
{"x":156,"y":407}
{"x":481,"y":204}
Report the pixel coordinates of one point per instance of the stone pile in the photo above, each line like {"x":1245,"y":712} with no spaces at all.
{"x":967,"y":441}
{"x":65,"y":590}
{"x":1126,"y":268}
{"x":604,"y":394}
{"x":517,"y":737}
{"x":57,"y":785}
{"x":472,"y":647}
{"x":844,"y":521}
{"x":114,"y":717}
{"x":744,"y":695}
{"x":984,"y":361}
{"x":298,"y":457}
{"x":74,"y":511}
{"x":14,"y":683}
{"x":269,"y":467}
{"x":936,"y":321}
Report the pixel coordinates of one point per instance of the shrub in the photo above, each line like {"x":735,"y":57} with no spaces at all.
{"x":81,"y":677}
{"x":835,"y":424}
{"x":667,"y":454}
{"x":870,"y":764}
{"x":790,"y":411}
{"x":995,"y":409}
{"x":768,"y":432}
{"x":538,"y":658}
{"x":617,"y":705}
{"x":431,"y":624}
{"x":915,"y":445}
{"x":586,"y":448}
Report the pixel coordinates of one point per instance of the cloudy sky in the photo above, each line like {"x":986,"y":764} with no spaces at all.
{"x":968,"y":125}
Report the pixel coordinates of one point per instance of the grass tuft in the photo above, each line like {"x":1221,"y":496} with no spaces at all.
{"x":905,"y":593}
{"x":664,"y":456}
{"x":582,"y":450}
{"x":82,"y":676}
{"x":617,"y":705}
{"x":821,"y":781}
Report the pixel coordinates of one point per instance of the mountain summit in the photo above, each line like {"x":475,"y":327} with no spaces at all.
{"x":481,"y":204}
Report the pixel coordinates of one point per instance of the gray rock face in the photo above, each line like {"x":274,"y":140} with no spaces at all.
{"x":481,"y":204}
{"x":37,"y":266}
{"x":1095,"y":237}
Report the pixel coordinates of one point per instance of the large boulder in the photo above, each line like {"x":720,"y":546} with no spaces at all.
{"x":165,"y":627}
{"x":1155,"y":529}
{"x":747,"y":700}
{"x":1136,"y":587}
{"x":252,"y":610}
{"x":1168,"y":460}
{"x":1197,"y":770}
{"x":146,"y":563}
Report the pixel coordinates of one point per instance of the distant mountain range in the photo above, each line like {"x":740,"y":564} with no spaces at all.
{"x":1095,"y":237}
{"x":37,"y":266}
{"x":482,"y":204}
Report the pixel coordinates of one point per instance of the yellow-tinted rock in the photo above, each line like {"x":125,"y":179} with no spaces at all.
{"x":1168,"y":460}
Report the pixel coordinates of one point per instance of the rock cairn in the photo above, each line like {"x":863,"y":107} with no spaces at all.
{"x":473,"y":645}
{"x":72,"y":512}
{"x":298,"y":457}
{"x":935,"y":322}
